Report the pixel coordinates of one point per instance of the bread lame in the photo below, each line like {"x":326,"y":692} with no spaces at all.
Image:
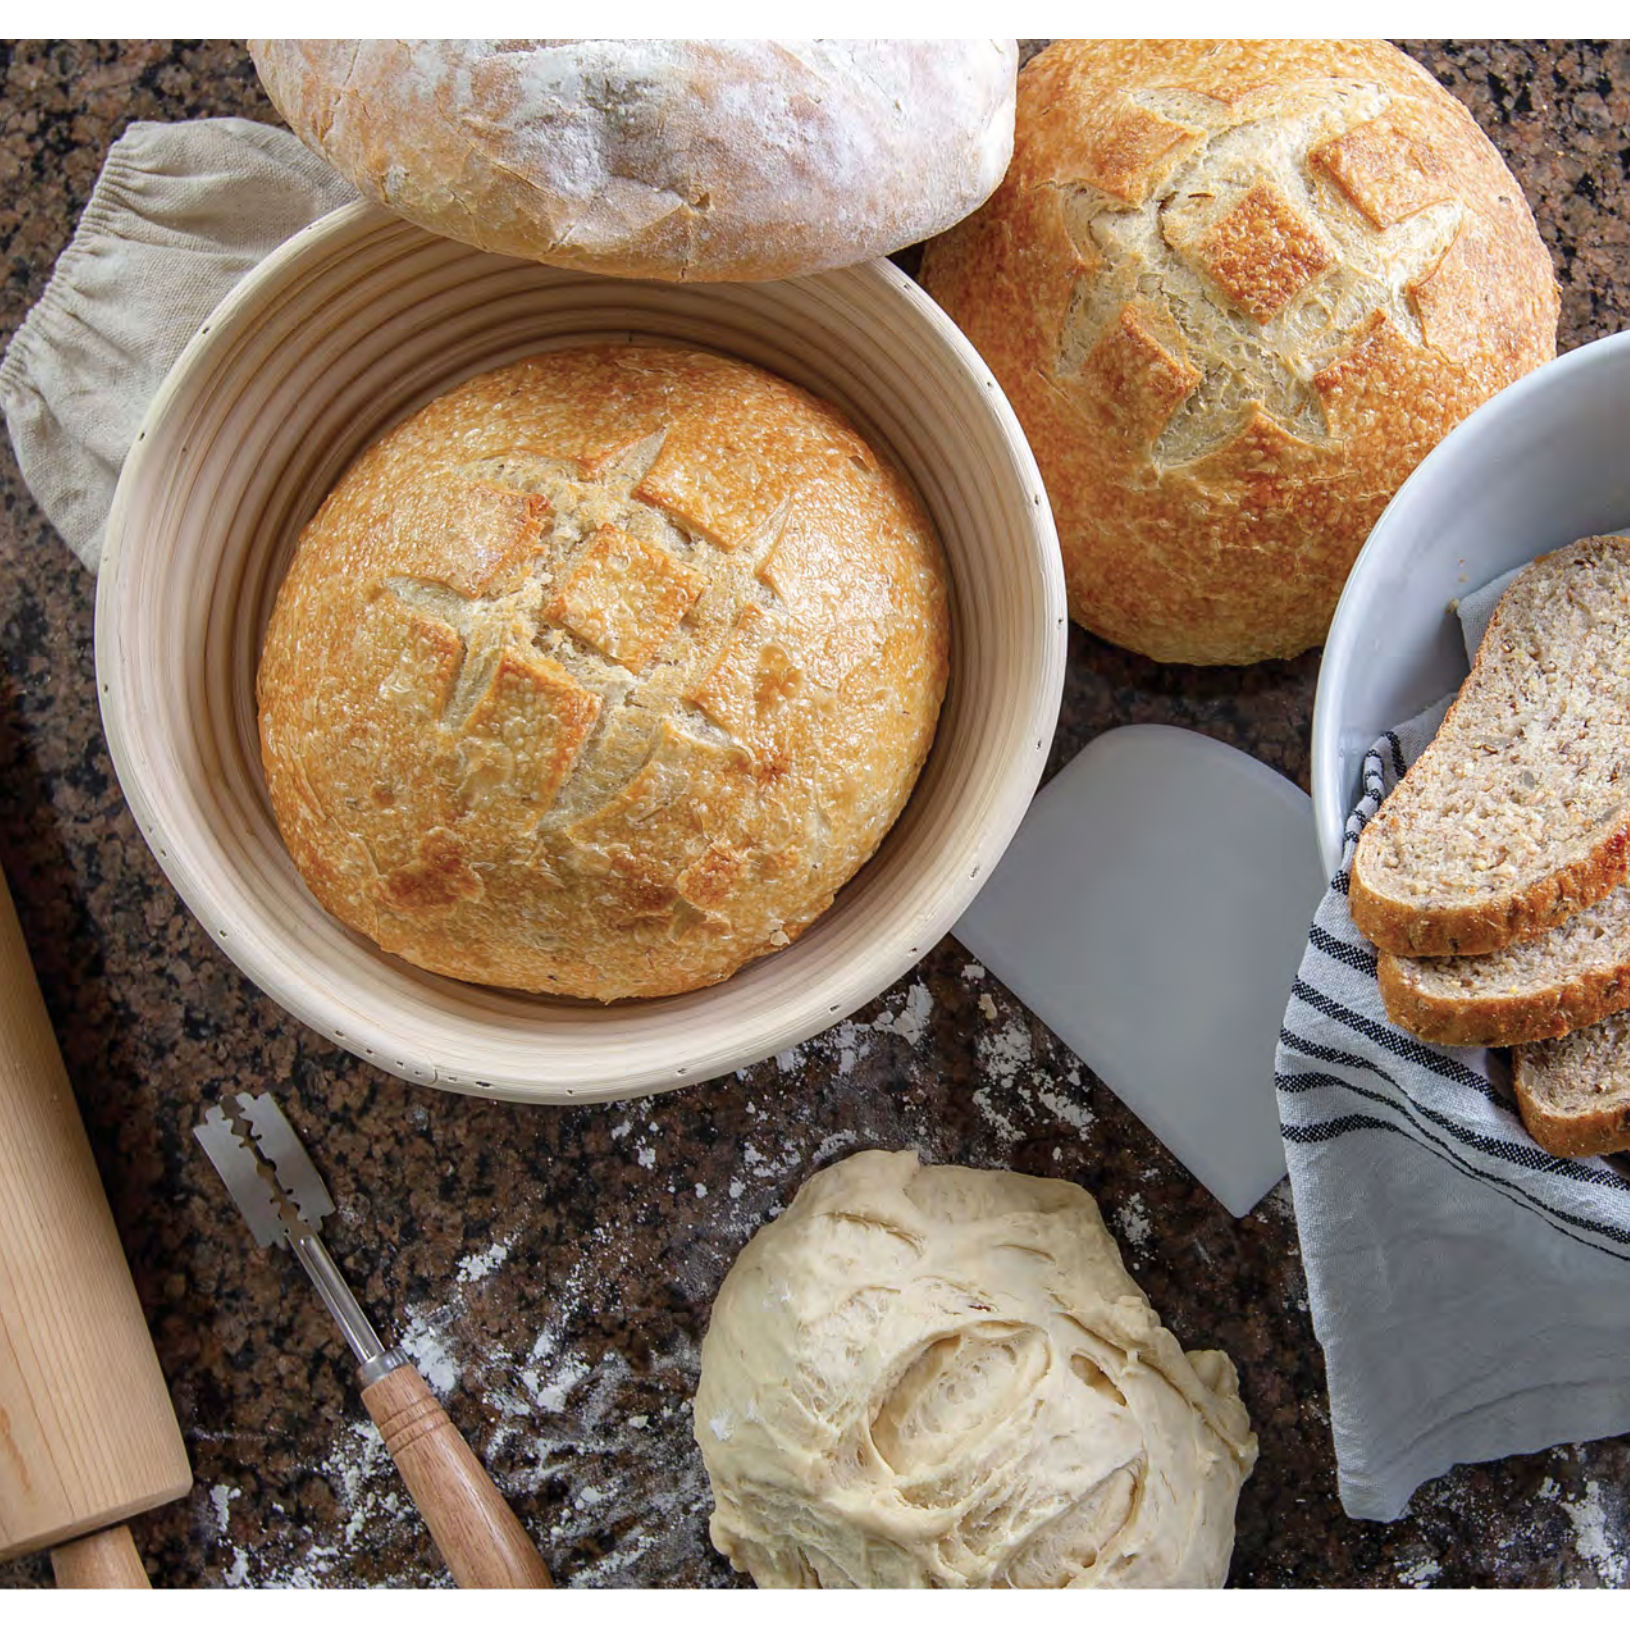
{"x":271,"y":1177}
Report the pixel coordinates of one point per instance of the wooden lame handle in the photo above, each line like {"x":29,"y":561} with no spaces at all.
{"x":480,"y":1538}
{"x":104,"y":1561}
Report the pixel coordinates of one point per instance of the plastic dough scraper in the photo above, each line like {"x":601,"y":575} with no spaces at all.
{"x":1152,"y":911}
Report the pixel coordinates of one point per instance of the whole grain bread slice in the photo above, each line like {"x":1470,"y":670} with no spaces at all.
{"x":1517,"y":816}
{"x":1574,"y":1093}
{"x":1576,"y":975}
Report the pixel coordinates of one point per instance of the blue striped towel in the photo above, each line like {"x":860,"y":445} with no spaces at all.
{"x":1470,"y":1291}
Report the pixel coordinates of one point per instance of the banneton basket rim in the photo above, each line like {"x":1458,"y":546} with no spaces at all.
{"x":505,"y":1044}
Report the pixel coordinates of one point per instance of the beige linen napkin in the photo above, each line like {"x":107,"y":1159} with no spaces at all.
{"x":179,"y":213}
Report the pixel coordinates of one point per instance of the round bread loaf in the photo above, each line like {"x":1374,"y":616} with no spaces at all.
{"x":708,"y":159}
{"x":602,"y":673}
{"x":1236,"y":290}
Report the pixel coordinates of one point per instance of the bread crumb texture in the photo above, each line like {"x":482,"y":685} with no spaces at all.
{"x":1516,"y":817}
{"x":1537,"y":988}
{"x":602,"y":673}
{"x":1574,"y":1092}
{"x":1236,"y":290}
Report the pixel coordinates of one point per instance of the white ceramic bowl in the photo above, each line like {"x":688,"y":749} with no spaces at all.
{"x":354,"y":324}
{"x":1544,"y":462}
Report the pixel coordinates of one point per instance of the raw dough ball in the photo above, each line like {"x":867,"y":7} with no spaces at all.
{"x":928,"y":1375}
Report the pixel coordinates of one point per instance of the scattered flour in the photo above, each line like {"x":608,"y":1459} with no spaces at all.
{"x":988,"y":1106}
{"x":1069,"y":1110}
{"x":424,"y":1338}
{"x":850,"y":1044}
{"x":480,"y":1264}
{"x":550,"y":1395}
{"x":1593,"y":1527}
{"x":1419,"y":1572}
{"x":371,"y":1499}
{"x":913,"y":1019}
{"x":829,"y":1146}
{"x":1003,"y":1053}
{"x":1133,"y":1222}
{"x":364,"y":1479}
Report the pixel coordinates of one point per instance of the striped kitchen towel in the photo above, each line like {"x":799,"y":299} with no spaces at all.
{"x":1470,"y":1291}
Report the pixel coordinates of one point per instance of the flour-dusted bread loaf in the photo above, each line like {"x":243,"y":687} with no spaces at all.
{"x":707,"y":159}
{"x":1517,"y":816}
{"x":602,"y":673}
{"x":1235,"y":291}
{"x":1573,"y":976}
{"x":1574,"y":1093}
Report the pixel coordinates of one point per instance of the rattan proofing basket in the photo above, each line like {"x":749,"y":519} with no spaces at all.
{"x":359,"y":321}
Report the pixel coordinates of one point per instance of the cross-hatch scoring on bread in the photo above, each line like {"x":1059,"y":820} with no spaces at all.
{"x":1517,"y":815}
{"x":601,"y":674}
{"x":1236,"y":290}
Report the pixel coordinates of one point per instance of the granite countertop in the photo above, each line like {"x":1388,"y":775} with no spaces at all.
{"x":552,"y":1270}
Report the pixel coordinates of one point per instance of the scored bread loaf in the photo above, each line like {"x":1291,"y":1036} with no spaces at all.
{"x":1517,"y":816}
{"x":1573,"y":976}
{"x":672,"y":159}
{"x":1235,"y":291}
{"x":1574,"y":1093}
{"x":602,"y":673}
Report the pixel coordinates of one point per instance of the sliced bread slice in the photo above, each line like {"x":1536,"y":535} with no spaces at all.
{"x":1517,"y":815}
{"x":1574,"y":1093}
{"x":1574,"y":976}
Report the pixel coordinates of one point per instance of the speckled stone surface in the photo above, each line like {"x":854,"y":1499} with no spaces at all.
{"x":552,"y":1270}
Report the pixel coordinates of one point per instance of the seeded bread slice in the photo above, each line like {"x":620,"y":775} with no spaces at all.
{"x":1574,"y":1093}
{"x":1574,"y":976}
{"x":1517,"y":816}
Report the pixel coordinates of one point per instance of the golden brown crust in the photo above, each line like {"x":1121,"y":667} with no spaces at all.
{"x":1488,"y":920}
{"x":1571,"y":1135}
{"x":1493,"y":1020}
{"x":603,"y":673}
{"x":1488,"y":925}
{"x":675,"y":159}
{"x":1151,"y":251}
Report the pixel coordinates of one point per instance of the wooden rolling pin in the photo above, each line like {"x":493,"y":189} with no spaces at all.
{"x":88,"y":1436}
